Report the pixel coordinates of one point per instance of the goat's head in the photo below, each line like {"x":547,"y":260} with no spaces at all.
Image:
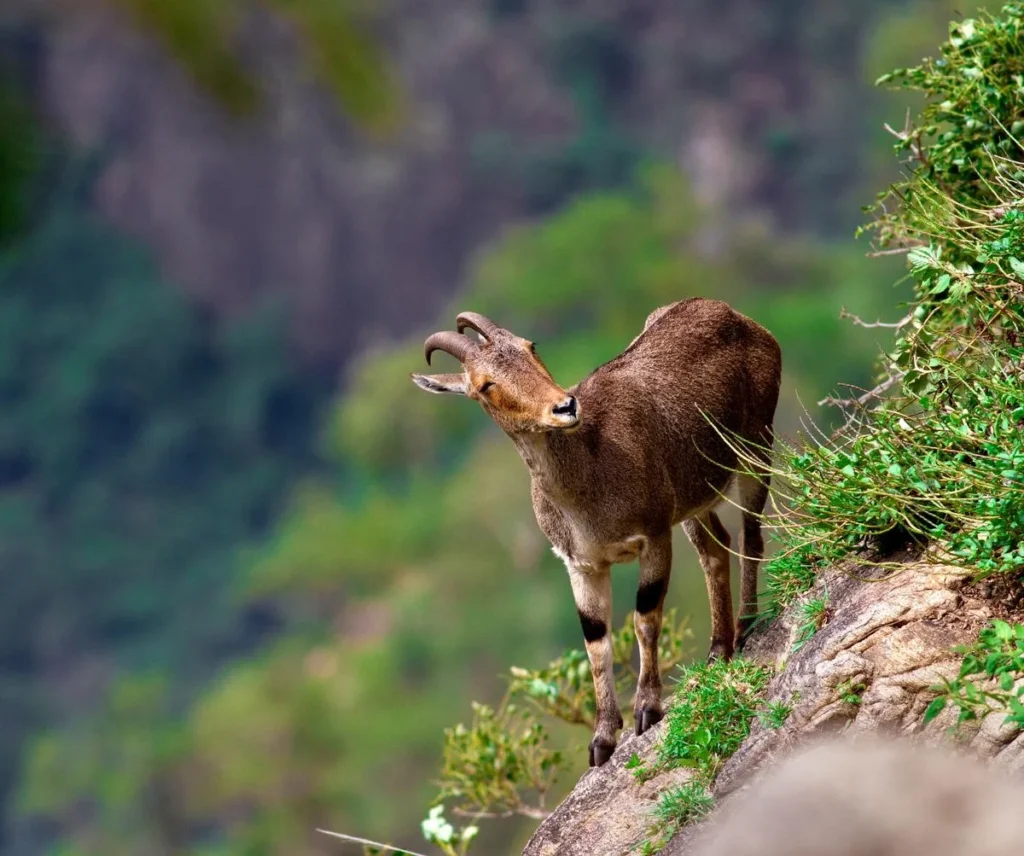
{"x":503,"y":373}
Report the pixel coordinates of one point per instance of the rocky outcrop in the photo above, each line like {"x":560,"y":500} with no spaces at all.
{"x":871,"y":797}
{"x":608,"y":812}
{"x":870,"y":667}
{"x":888,"y":638}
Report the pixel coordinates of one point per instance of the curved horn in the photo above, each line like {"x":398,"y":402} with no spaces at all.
{"x":451,"y":343}
{"x":475,"y":321}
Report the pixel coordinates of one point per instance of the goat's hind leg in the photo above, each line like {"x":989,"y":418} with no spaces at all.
{"x":711,"y":541}
{"x":753,"y":494}
{"x":655,"y":569}
{"x":593,"y":594}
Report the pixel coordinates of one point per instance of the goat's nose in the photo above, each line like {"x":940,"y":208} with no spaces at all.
{"x":566,"y":408}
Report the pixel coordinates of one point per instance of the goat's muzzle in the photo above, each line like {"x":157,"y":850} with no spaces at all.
{"x":566,"y":414}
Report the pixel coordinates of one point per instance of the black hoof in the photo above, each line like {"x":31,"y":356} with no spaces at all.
{"x":647,"y":717}
{"x":600,"y":751}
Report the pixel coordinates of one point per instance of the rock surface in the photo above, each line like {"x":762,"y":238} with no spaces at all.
{"x":886,"y":641}
{"x":870,"y":667}
{"x":608,"y":811}
{"x":869,"y":796}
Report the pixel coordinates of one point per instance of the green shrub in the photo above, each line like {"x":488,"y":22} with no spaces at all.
{"x":934,"y":454}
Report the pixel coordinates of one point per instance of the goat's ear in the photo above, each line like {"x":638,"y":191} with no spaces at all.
{"x":450,"y":383}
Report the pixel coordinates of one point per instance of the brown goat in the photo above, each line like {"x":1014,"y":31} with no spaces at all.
{"x":617,"y":460}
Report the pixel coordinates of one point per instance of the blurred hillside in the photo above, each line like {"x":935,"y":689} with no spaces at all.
{"x":239,"y":608}
{"x":511,"y":107}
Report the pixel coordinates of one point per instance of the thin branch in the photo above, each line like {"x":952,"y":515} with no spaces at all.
{"x":896,"y":325}
{"x":895,"y":251}
{"x":371,"y":843}
{"x":856,"y":403}
{"x":523,"y":811}
{"x":871,"y":394}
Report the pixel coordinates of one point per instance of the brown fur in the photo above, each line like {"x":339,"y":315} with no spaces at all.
{"x":639,"y":456}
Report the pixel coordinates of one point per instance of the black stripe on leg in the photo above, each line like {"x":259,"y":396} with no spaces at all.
{"x":650,"y":595}
{"x":592,"y":629}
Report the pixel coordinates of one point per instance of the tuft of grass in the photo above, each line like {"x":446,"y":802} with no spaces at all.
{"x":676,"y":808}
{"x":774,"y":714}
{"x":813,"y":616}
{"x":710,"y":713}
{"x":851,"y":691}
{"x":707,"y":720}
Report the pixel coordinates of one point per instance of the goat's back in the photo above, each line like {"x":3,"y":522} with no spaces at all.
{"x":697,"y":362}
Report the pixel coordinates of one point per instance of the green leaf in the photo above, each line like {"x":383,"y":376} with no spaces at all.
{"x":934,"y":709}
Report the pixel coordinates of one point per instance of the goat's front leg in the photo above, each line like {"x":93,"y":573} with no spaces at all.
{"x":593,"y":594}
{"x":655,"y":569}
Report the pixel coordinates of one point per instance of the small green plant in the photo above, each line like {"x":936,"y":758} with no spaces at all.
{"x":850,"y":691}
{"x":707,"y":720}
{"x":813,"y":616}
{"x":991,"y":677}
{"x":710,"y":713}
{"x":676,"y":808}
{"x":774,"y":714}
{"x":635,"y":765}
{"x":502,"y":755}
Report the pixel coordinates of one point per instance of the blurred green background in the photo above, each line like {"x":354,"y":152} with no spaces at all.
{"x":250,"y":573}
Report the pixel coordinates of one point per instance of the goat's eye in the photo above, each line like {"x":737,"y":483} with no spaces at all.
{"x":486,"y":386}
{"x":533,"y":348}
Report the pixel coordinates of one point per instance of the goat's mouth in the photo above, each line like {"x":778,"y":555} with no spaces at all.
{"x":563,"y":425}
{"x":564,"y":416}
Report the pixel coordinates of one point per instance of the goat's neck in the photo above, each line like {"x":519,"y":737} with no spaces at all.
{"x":559,"y":463}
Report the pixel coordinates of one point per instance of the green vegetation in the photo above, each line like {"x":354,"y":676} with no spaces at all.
{"x":708,"y":718}
{"x":710,"y":714}
{"x":774,"y":714}
{"x":676,"y":807}
{"x":850,"y":691}
{"x":203,"y":37}
{"x":939,"y":460}
{"x":813,"y":616}
{"x":991,"y":677}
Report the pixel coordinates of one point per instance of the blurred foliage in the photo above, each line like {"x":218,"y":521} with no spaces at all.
{"x":337,"y":39}
{"x":140,"y":446}
{"x":19,"y":158}
{"x":564,"y":690}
